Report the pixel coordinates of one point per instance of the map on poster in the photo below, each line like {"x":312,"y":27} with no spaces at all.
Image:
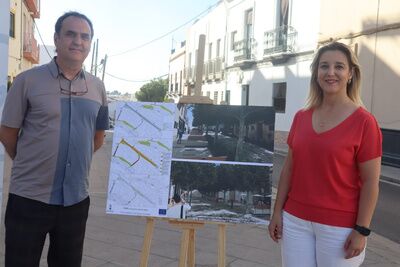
{"x":141,"y":159}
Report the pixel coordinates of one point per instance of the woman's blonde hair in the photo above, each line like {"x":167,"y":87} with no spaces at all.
{"x":315,"y":95}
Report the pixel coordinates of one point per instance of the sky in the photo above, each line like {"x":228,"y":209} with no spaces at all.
{"x":123,"y":25}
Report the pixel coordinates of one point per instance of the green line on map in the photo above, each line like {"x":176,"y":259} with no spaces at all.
{"x":145,"y":142}
{"x":124,"y":160}
{"x":167,"y":110}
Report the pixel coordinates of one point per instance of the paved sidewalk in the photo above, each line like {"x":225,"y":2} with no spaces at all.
{"x":116,"y":241}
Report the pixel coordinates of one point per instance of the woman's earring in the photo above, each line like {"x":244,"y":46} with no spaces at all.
{"x":349,"y":81}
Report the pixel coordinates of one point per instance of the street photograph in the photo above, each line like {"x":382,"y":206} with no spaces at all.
{"x":230,"y":193}
{"x":224,"y":133}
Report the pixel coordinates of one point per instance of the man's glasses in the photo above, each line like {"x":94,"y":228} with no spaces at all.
{"x":69,"y":91}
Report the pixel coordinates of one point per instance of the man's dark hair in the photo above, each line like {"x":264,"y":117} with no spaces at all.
{"x":73,"y":14}
{"x":177,"y":198}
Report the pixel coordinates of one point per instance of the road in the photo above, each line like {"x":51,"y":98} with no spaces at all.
{"x":386,"y":220}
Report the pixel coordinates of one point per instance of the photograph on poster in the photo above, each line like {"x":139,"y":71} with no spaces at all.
{"x":230,"y":193}
{"x":224,"y":133}
{"x":193,"y":161}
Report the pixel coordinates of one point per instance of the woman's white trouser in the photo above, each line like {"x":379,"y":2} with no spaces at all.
{"x":309,"y":244}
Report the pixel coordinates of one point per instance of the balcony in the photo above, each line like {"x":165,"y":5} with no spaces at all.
{"x":244,"y":52}
{"x":33,"y":7}
{"x":190,"y":73}
{"x":218,"y":72}
{"x":31,"y":49}
{"x":280,"y":40}
{"x":209,"y":70}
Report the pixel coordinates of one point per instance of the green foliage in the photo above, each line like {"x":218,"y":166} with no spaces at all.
{"x":115,"y":92}
{"x":212,"y":178}
{"x":153,"y":91}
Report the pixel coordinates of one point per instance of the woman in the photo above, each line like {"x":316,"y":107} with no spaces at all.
{"x":328,"y":186}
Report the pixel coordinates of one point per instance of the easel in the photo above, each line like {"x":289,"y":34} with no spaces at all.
{"x":187,"y":250}
{"x":187,"y":255}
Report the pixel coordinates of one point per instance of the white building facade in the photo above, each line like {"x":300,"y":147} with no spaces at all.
{"x":257,"y":52}
{"x":176,"y":73}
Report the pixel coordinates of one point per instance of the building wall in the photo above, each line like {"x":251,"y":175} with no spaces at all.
{"x":261,"y":77}
{"x":23,"y":25}
{"x":4,"y":32}
{"x":176,"y":81}
{"x":374,"y":27}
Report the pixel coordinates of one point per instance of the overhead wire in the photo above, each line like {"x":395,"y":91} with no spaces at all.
{"x":40,"y":36}
{"x":136,"y":81}
{"x":166,"y":34}
{"x":139,"y":46}
{"x":154,"y":40}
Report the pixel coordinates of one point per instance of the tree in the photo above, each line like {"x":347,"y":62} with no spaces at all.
{"x":153,"y":91}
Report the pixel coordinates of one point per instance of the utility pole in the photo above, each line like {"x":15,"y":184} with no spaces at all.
{"x":97,"y":54}
{"x":104,"y":67}
{"x":93,"y":52}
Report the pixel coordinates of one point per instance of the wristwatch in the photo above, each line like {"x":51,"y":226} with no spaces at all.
{"x":362,"y":230}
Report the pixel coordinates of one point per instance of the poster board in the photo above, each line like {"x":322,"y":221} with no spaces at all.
{"x":217,"y":159}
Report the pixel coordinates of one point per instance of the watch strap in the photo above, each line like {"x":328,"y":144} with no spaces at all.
{"x":362,"y":230}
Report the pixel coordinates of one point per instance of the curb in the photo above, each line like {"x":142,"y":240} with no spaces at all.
{"x":390,"y":179}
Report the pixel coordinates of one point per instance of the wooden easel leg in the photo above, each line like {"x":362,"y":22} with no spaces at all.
{"x":184,"y":248}
{"x":221,"y":244}
{"x":148,"y":235}
{"x":191,"y":250}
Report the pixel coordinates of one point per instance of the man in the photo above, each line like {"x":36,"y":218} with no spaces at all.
{"x":179,"y":208}
{"x":53,"y":120}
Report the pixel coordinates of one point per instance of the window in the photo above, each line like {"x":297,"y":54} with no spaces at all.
{"x":248,"y":32}
{"x":233,"y":40}
{"x":228,"y":97}
{"x":12,"y":25}
{"x":215,"y":97}
{"x":222,"y":96}
{"x":283,"y":10}
{"x":249,"y":24}
{"x":180,"y":82}
{"x":176,"y":82}
{"x":245,"y":95}
{"x":279,"y":97}
{"x":208,"y":94}
{"x":218,"y":48}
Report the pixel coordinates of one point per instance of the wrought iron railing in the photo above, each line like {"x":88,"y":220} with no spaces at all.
{"x":245,"y":49}
{"x":31,"y":48}
{"x":190,"y":73}
{"x":282,"y":39}
{"x":218,"y":71}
